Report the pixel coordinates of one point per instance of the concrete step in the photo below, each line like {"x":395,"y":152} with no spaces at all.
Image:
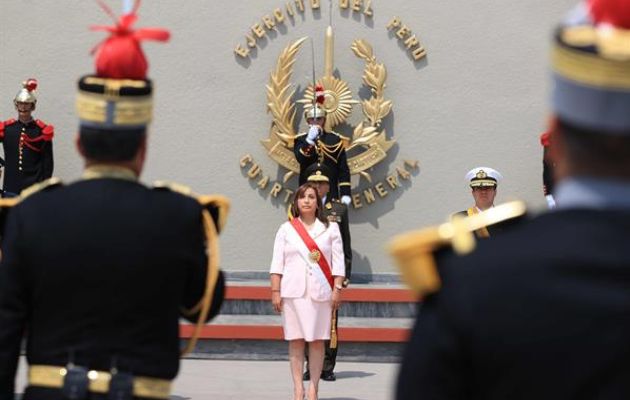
{"x":269,"y":327}
{"x":391,"y":300}
{"x":374,"y":323}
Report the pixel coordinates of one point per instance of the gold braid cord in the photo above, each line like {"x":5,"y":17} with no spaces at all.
{"x":280,"y":95}
{"x":212,"y":243}
{"x":333,"y":331}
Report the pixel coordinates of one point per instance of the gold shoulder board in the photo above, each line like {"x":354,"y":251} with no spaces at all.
{"x":413,"y":251}
{"x":8,"y":202}
{"x":221,"y":203}
{"x":38,"y":187}
{"x":341,"y":136}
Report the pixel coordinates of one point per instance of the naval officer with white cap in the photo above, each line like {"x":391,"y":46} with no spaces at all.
{"x":483,"y":182}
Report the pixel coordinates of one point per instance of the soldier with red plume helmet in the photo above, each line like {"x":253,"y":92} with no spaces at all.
{"x":95,"y":275}
{"x":327,"y":148}
{"x":27,"y":143}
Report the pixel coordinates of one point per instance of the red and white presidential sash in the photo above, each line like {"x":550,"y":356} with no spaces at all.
{"x":315,"y":254}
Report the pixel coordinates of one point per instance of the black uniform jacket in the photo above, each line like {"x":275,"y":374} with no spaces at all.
{"x":28,"y":153}
{"x":330,"y":151}
{"x":539,"y":312}
{"x":98,"y":270}
{"x":337,"y":212}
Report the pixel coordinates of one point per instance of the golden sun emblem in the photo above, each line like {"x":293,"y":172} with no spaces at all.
{"x":338,"y":100}
{"x":314,"y":255}
{"x":366,"y":145}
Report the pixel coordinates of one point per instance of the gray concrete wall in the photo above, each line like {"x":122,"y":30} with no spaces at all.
{"x":478,"y":98}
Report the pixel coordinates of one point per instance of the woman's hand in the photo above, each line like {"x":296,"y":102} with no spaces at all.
{"x":276,"y":301}
{"x":336,"y":299}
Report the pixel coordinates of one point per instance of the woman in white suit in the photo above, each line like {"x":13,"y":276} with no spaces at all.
{"x":307,"y":271}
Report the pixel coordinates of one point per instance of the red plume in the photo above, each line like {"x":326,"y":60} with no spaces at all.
{"x":30,"y":84}
{"x":613,"y":12}
{"x":545,"y":139}
{"x":319,"y":94}
{"x":120,"y":56}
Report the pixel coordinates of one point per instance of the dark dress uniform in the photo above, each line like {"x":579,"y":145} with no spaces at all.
{"x":330,"y":150}
{"x":28,"y":152}
{"x":98,"y":273}
{"x":542,"y":311}
{"x":337,"y":212}
{"x":539,"y":312}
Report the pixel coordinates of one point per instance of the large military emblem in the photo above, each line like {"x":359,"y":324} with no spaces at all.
{"x":366,"y":143}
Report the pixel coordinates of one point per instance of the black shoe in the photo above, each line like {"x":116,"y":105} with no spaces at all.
{"x":306,"y":376}
{"x":328,"y":376}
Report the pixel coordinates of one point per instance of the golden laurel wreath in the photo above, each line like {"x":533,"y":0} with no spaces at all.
{"x":367,"y":136}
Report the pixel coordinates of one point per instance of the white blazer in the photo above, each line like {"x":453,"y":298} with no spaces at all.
{"x":290,"y":259}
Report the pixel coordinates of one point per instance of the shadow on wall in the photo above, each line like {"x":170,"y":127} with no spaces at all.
{"x":361,"y":267}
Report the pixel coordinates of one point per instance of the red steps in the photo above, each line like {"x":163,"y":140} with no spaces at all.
{"x":274,"y":331}
{"x":351,"y":294}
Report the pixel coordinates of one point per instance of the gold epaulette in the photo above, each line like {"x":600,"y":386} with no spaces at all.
{"x":221,"y":203}
{"x":8,"y":202}
{"x":346,"y":140}
{"x":211,"y":231}
{"x":340,"y":136}
{"x":38,"y":187}
{"x":413,"y":251}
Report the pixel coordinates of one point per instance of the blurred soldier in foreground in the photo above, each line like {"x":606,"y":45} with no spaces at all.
{"x":27,"y":143}
{"x":334,"y":211}
{"x":542,"y":311}
{"x":96,"y":274}
{"x":483,"y":183}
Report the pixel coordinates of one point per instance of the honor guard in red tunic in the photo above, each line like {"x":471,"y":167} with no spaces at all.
{"x":95,"y":275}
{"x":27,"y":143}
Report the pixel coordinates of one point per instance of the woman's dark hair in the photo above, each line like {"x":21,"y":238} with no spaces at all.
{"x":111,"y":145}
{"x":301,"y":192}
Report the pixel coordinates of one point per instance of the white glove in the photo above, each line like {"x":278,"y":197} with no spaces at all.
{"x":551,"y":202}
{"x":346,"y":200}
{"x":313,"y":132}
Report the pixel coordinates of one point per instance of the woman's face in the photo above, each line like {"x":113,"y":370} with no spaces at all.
{"x":307,"y":204}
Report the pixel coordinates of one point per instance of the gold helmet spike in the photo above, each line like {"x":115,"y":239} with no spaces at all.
{"x":26,"y":94}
